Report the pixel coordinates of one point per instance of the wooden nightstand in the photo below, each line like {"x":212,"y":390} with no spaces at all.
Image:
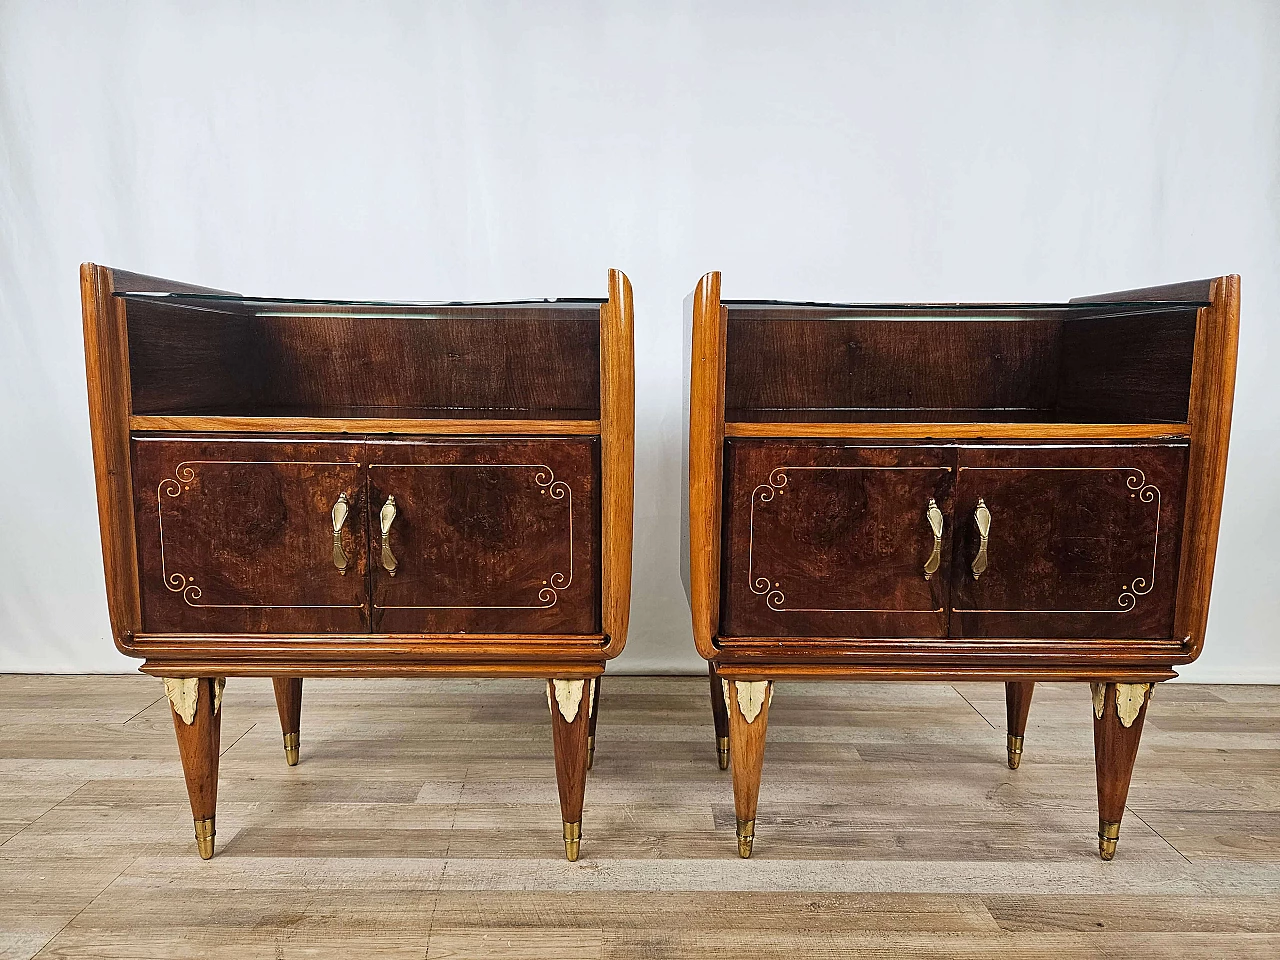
{"x":292,"y":488}
{"x":1011,"y":492}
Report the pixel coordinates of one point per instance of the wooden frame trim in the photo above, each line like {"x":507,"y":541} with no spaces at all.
{"x":959,"y":431}
{"x":706,"y":459}
{"x":1213,"y":382}
{"x":362,"y":425}
{"x":106,"y":356}
{"x":1135,"y":673}
{"x":302,"y":666}
{"x":617,"y":459}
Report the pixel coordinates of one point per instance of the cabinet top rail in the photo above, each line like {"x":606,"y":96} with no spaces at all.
{"x":294,"y":305}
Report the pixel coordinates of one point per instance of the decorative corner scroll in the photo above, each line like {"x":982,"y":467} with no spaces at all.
{"x":184,"y":696}
{"x":752,"y":696}
{"x":568,"y":697}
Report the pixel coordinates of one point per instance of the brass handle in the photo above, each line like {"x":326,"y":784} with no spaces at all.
{"x":934,"y":516}
{"x":385,"y":518}
{"x":981,"y":517}
{"x":341,"y":510}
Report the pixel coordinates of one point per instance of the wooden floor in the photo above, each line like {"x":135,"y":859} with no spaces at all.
{"x":422,"y":822}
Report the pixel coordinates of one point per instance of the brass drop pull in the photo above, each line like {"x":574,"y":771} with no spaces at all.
{"x":341,"y":510}
{"x":982,"y":518}
{"x":934,"y":516}
{"x":385,"y":518}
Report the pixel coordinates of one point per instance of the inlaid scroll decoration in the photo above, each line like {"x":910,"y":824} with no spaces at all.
{"x":1132,"y":588}
{"x":772,"y":590}
{"x":544,"y":479}
{"x":184,"y":474}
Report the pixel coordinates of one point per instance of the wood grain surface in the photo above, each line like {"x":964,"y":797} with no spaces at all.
{"x":423,"y":821}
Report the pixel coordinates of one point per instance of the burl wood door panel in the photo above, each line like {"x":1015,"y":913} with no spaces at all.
{"x":236,"y":536}
{"x":488,"y":536}
{"x":1083,"y":541}
{"x":832,"y":540}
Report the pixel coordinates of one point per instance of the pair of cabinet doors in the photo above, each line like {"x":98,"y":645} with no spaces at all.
{"x":430,"y":536}
{"x":827,"y":539}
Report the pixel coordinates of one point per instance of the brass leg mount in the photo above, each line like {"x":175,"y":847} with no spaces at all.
{"x":572,"y":840}
{"x":1015,"y":751}
{"x":204,"y":838}
{"x":1108,"y":834}
{"x":591,"y":751}
{"x":746,"y":836}
{"x":722,"y":751}
{"x":291,"y":743}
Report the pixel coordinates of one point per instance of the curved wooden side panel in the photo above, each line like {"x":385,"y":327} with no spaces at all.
{"x":617,"y":458}
{"x":705,"y":459}
{"x":1213,"y":384}
{"x":106,"y":357}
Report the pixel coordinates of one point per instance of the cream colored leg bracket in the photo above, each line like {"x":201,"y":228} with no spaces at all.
{"x":1129,"y":700}
{"x":184,"y":694}
{"x":751,"y":696}
{"x":568,"y":697}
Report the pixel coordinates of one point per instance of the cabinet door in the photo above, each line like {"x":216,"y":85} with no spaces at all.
{"x":485,"y":536}
{"x":237,"y":536}
{"x":828,"y":540}
{"x":1082,"y":541}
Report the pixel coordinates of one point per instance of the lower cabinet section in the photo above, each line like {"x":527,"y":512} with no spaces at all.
{"x":829,"y":539}
{"x":357,"y":536}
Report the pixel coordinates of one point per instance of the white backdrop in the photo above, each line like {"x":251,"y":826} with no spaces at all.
{"x":930,"y":151}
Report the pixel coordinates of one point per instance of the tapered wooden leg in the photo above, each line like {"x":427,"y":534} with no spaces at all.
{"x":748,"y":709}
{"x":197,"y":720}
{"x":592,"y":715}
{"x":1119,"y":710}
{"x":570,"y":725}
{"x":289,"y":705}
{"x":720,"y":716}
{"x":1017,"y":704}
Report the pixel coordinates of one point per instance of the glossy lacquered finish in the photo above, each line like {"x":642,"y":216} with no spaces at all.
{"x":302,"y":488}
{"x":952,"y":491}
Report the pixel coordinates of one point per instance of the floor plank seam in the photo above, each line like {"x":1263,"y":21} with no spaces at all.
{"x":144,"y":709}
{"x":975,"y":709}
{"x":92,"y":900}
{"x":1133,"y":813}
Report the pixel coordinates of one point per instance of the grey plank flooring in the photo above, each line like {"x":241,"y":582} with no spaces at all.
{"x":422,"y":822}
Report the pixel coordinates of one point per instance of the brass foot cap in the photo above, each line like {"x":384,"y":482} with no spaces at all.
{"x":746,"y":836}
{"x":291,"y":743}
{"x":204,"y":838}
{"x":1108,"y":835}
{"x":1015,"y":751}
{"x":722,"y":751}
{"x":591,"y":751}
{"x":572,"y":840}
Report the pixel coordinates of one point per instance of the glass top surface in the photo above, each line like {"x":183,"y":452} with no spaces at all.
{"x":269,"y":303}
{"x":969,"y":307}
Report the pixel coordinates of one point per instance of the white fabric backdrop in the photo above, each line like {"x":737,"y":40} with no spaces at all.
{"x":930,"y":151}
